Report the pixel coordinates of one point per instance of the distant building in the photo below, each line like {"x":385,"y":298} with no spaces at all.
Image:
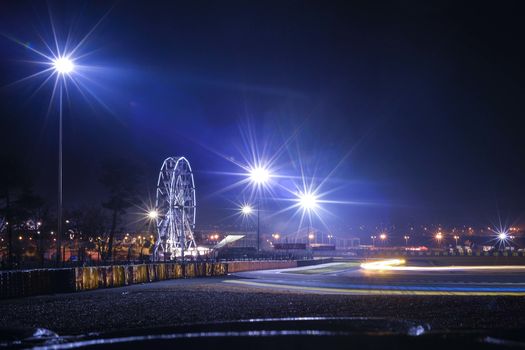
{"x":347,"y":243}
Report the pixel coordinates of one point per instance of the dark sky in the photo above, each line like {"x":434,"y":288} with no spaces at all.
{"x":421,"y":103}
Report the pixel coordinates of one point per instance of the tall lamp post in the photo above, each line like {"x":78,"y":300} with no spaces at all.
{"x":63,"y":67}
{"x":259,"y":176}
{"x":406,"y":237}
{"x":373,"y":237}
{"x":308,"y":202}
{"x":246,"y":210}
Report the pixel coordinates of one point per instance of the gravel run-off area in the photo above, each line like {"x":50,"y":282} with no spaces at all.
{"x":199,"y":300}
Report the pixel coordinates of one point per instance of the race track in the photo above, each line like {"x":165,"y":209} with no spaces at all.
{"x":351,"y":278}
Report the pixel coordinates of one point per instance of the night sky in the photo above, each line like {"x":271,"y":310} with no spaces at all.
{"x":417,"y":106}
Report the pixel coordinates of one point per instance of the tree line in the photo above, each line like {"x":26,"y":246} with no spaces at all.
{"x":22,"y":210}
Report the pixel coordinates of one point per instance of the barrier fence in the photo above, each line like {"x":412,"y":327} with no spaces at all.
{"x":21,"y":283}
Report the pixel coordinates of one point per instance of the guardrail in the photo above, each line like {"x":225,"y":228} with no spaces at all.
{"x":21,"y":283}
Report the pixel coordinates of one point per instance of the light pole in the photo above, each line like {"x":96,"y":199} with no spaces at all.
{"x":259,"y":176}
{"x":153,"y":215}
{"x":406,"y":237}
{"x":63,"y":66}
{"x":439,"y":237}
{"x":456,"y":237}
{"x":246,"y":210}
{"x":308,"y":202}
{"x":373,"y":237}
{"x":383,"y":237}
{"x":503,"y":236}
{"x":311,"y":236}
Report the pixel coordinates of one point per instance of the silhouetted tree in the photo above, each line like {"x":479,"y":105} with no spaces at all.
{"x":121,"y":179}
{"x":30,"y":213}
{"x":13,"y":178}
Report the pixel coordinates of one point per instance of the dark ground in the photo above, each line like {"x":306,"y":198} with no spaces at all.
{"x":202,"y":300}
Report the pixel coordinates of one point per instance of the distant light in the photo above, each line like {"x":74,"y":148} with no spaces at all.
{"x":311,"y":236}
{"x":259,"y":175}
{"x":153,"y":214}
{"x":308,"y":201}
{"x":63,"y":65}
{"x":246,"y":210}
{"x":382,"y":236}
{"x":502,"y":236}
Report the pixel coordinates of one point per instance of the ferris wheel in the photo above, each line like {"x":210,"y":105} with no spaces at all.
{"x":176,"y":208}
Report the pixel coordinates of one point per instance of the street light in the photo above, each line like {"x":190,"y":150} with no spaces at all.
{"x":406,"y":237}
{"x":439,"y":237}
{"x":308,"y":201}
{"x":383,"y":237}
{"x":153,"y":214}
{"x":456,"y":237}
{"x":373,"y":240}
{"x":63,"y":65}
{"x":246,"y":210}
{"x":259,"y":176}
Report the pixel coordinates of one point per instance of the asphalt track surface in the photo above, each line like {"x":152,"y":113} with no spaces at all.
{"x":350,"y":278}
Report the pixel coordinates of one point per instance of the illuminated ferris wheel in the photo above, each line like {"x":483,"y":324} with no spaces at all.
{"x":176,"y":207}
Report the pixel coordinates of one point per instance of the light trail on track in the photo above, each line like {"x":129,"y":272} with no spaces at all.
{"x":389,"y":277}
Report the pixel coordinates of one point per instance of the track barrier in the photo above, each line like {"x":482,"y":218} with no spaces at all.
{"x":22,"y":283}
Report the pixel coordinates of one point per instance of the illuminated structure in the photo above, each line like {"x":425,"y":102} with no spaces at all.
{"x":175,"y":210}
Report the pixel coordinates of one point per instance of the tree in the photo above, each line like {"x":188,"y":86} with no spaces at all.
{"x":89,"y":225}
{"x":13,"y":178}
{"x":30,"y":212}
{"x":121,"y":179}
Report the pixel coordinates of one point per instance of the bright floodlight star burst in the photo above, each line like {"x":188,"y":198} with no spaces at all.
{"x":308,"y":201}
{"x":246,"y":210}
{"x":63,"y":65}
{"x":259,"y":175}
{"x":502,"y":236}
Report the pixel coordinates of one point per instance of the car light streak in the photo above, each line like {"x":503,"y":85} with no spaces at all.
{"x":395,"y":265}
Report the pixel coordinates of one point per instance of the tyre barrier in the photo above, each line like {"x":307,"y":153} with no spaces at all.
{"x":22,"y":283}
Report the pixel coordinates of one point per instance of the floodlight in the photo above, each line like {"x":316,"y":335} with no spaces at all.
{"x":259,"y":175}
{"x":63,"y":65}
{"x":308,"y":201}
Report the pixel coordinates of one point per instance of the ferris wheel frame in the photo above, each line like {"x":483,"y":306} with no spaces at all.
{"x":176,"y":210}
